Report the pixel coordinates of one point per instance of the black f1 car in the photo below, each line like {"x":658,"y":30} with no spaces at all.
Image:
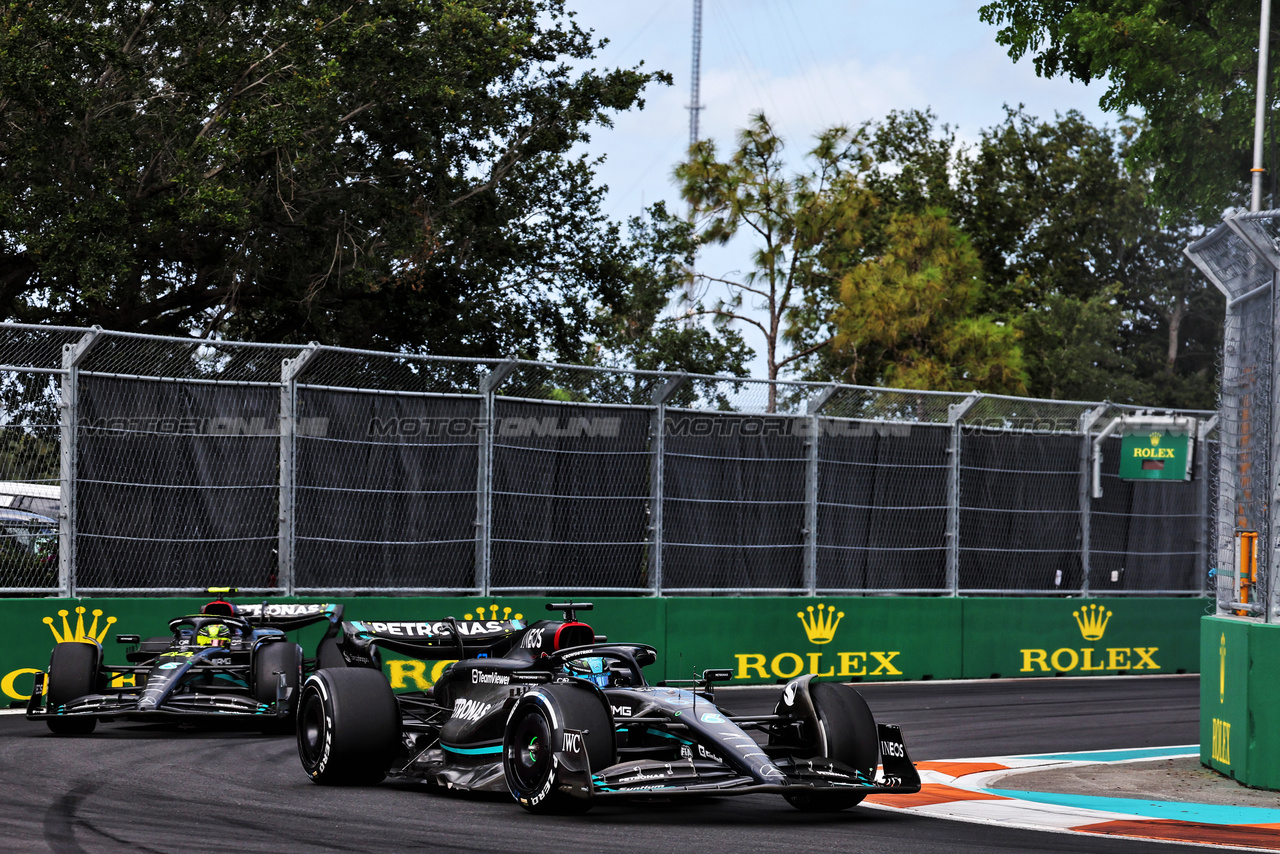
{"x":561,"y":719}
{"x":226,"y":661}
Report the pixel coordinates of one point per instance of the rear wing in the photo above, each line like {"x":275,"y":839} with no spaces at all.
{"x":434,"y":639}
{"x":290,"y":616}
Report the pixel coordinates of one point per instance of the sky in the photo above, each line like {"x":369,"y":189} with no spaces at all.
{"x":808,"y":64}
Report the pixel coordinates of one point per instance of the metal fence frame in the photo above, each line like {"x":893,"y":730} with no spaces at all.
{"x":808,"y":410}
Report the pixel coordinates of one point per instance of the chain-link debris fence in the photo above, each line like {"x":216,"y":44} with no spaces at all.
{"x":166,"y":465}
{"x":1241,"y":257}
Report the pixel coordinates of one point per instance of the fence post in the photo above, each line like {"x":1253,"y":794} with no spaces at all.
{"x":657,"y":447}
{"x":1205,"y":530}
{"x":811,"y":490}
{"x":1087,"y":419}
{"x":72,"y":356}
{"x":955,"y":412}
{"x":484,"y":472}
{"x":290,"y":370}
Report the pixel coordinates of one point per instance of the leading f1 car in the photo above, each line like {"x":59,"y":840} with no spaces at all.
{"x":228,"y":661}
{"x":562,"y":719}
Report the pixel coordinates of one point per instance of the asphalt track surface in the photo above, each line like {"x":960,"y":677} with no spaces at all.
{"x":154,"y":788}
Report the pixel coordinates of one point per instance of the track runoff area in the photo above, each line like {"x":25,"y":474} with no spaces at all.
{"x":161,"y":787}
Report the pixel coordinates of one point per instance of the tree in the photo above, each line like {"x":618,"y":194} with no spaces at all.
{"x":391,"y":172}
{"x":1075,"y":254}
{"x":1191,"y":68}
{"x":908,"y":318}
{"x":638,"y":332}
{"x":792,"y":219}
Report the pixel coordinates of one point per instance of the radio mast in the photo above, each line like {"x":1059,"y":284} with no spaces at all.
{"x":695,"y":107}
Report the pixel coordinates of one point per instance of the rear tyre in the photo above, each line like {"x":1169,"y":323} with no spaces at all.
{"x":348,"y":727}
{"x":534,"y":732}
{"x":271,"y":659}
{"x":847,"y":734}
{"x":73,"y":673}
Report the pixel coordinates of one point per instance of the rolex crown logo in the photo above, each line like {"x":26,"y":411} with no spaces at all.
{"x":493,"y":614}
{"x":93,"y":634}
{"x":821,"y":625}
{"x":1155,"y":438}
{"x":1092,"y":621}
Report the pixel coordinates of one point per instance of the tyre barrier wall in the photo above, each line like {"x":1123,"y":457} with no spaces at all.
{"x":762,"y":639}
{"x":1240,"y":700}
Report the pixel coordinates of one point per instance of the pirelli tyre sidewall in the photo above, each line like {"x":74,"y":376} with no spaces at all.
{"x":75,"y":669}
{"x":348,"y":727}
{"x":535,"y":735}
{"x":846,"y":732}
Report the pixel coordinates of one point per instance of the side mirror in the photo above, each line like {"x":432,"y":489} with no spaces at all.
{"x":710,"y":676}
{"x":602,"y":639}
{"x":128,"y":639}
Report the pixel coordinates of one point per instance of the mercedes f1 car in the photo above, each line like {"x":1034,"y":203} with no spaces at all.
{"x":227,"y":661}
{"x":562,"y":719}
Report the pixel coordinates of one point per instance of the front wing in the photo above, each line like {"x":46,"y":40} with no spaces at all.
{"x":125,"y":703}
{"x":702,"y":776}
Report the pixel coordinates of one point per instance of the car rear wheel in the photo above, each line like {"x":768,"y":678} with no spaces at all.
{"x":348,"y":726}
{"x":536,"y":730}
{"x":73,"y":673}
{"x":270,"y":660}
{"x":847,"y":734}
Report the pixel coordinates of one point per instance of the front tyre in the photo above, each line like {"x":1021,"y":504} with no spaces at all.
{"x":846,"y":733}
{"x":348,"y":727}
{"x":73,"y":673}
{"x":535,"y":734}
{"x":270,"y":660}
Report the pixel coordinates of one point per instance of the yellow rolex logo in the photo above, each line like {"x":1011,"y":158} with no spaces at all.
{"x":820,"y":626}
{"x":1222,"y":669}
{"x":93,"y":635}
{"x":493,"y":614}
{"x":1155,"y":438}
{"x":1092,"y":621}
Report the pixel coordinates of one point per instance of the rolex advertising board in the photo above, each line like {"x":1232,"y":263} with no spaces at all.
{"x":33,"y":626}
{"x":1155,"y":454}
{"x":1240,"y":700}
{"x":1080,"y":637}
{"x":760,"y":639}
{"x":768,"y":639}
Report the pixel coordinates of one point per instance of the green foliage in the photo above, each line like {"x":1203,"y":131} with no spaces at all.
{"x":908,"y":318}
{"x":635,"y":332}
{"x":392,"y":173}
{"x":1074,"y":349}
{"x":1073,"y":250}
{"x":1191,"y":68}
{"x":792,"y":220}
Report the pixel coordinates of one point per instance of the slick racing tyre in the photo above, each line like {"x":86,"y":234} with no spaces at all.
{"x":270,"y":659}
{"x":348,"y":726}
{"x":73,"y":673}
{"x":535,"y":731}
{"x":850,"y":735}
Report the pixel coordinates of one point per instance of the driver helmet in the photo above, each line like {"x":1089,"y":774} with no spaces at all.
{"x":213,"y":634}
{"x":593,"y":669}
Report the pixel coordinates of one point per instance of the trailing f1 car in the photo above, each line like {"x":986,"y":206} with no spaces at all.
{"x":226,"y":661}
{"x":562,"y":719}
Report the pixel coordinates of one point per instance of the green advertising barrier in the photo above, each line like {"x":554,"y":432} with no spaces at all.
{"x":770,"y":639}
{"x":1080,"y":637}
{"x":1240,"y":700}
{"x":760,"y":639}
{"x":33,"y":626}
